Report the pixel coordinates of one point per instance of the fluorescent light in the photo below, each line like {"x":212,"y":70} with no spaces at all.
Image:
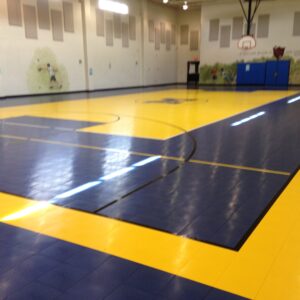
{"x":294,"y":100}
{"x":113,"y":6}
{"x":146,"y":161}
{"x":248,"y":119}
{"x":117,"y":173}
{"x":78,"y":190}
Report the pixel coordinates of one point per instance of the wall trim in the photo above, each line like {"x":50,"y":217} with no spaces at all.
{"x":92,"y":91}
{"x":142,"y":87}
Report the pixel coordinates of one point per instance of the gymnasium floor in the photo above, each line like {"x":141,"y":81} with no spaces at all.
{"x":156,"y":194}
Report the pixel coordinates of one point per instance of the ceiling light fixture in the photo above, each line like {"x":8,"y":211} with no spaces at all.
{"x":113,"y":6}
{"x":165,"y":1}
{"x":185,"y":6}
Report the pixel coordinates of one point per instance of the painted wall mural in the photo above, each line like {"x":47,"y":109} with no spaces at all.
{"x":226,"y":73}
{"x":218,"y":74}
{"x":46,"y":74}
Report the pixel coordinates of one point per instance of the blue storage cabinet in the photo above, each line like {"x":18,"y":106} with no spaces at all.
{"x":251,"y":74}
{"x":270,"y":73}
{"x":277,"y":73}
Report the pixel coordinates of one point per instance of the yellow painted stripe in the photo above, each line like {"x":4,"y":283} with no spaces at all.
{"x":64,"y":129}
{"x":26,"y":125}
{"x":240,"y":167}
{"x":180,"y":159}
{"x":89,"y":147}
{"x":241,"y":273}
{"x":37,"y":126}
{"x":153,"y":248}
{"x":248,"y":272}
{"x":13,"y":137}
{"x":150,"y":120}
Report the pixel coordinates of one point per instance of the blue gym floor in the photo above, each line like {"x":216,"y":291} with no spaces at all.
{"x":188,"y":209}
{"x":213,"y":184}
{"x":33,"y":266}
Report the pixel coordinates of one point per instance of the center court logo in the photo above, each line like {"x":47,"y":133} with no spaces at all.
{"x":170,"y":101}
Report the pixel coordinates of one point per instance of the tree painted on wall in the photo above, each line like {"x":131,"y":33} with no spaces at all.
{"x":218,"y":74}
{"x":226,"y":73}
{"x":46,"y":74}
{"x":295,"y":72}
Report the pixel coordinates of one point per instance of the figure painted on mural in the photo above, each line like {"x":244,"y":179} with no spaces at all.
{"x":214,"y":74}
{"x":278,"y":52}
{"x":46,"y":74}
{"x":227,"y":75}
{"x":54,"y":84}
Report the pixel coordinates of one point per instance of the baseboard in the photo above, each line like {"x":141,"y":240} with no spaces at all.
{"x":90,"y":91}
{"x":245,"y":85}
{"x":137,"y":87}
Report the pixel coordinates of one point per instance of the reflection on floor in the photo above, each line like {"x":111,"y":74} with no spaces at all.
{"x":201,"y":167}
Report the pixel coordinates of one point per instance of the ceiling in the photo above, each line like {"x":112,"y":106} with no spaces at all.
{"x":194,"y":4}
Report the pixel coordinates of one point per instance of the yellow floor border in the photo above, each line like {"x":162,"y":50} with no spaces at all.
{"x":242,"y":273}
{"x":146,"y":115}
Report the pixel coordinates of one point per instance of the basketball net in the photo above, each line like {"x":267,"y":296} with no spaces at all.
{"x":247,"y":42}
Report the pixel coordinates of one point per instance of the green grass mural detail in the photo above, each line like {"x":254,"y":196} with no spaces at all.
{"x":46,"y":74}
{"x":226,"y":73}
{"x":295,"y":71}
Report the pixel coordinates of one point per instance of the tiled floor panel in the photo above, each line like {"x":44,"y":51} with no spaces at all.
{"x":182,"y":194}
{"x":40,"y":267}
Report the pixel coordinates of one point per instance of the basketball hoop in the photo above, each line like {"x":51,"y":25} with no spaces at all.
{"x":278,"y":52}
{"x":247,"y":42}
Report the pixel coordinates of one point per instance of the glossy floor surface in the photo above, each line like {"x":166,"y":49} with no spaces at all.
{"x":171,"y":194}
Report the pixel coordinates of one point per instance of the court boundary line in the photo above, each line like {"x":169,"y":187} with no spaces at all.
{"x":174,"y":158}
{"x":38,"y":126}
{"x":245,"y":236}
{"x":232,"y":267}
{"x":85,"y":129}
{"x":268,"y":207}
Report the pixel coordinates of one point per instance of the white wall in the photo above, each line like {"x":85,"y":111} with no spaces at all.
{"x":113,"y":66}
{"x":138,"y":65}
{"x":280,"y":32}
{"x":159,"y":65}
{"x":103,"y":66}
{"x":17,"y":52}
{"x":184,"y":54}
